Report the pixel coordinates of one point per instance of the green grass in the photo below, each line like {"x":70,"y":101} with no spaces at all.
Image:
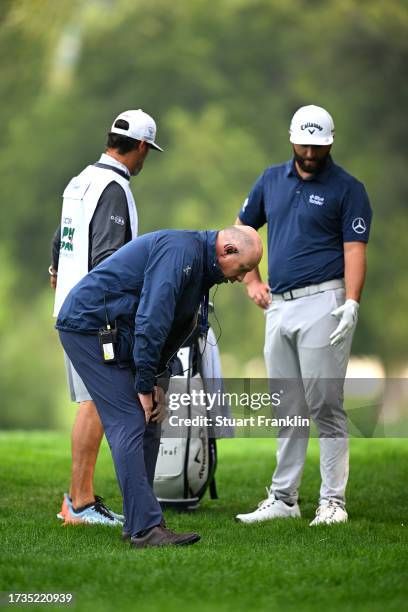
{"x":280,"y":565}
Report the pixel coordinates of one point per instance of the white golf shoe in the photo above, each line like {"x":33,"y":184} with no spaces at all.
{"x":330,"y":513}
{"x":268,"y":509}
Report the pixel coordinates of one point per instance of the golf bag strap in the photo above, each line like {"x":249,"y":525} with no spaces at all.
{"x":213,"y":489}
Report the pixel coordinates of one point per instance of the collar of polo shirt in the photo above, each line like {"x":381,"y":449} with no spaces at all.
{"x":320,"y":176}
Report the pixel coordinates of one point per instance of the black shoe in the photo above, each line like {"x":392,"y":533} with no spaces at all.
{"x":161,"y":536}
{"x":126,"y":534}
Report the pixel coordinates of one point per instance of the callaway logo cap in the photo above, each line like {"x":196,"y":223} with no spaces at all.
{"x":138,"y":125}
{"x":311,"y":125}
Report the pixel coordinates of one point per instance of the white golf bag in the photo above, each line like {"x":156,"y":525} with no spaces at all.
{"x":186,"y":464}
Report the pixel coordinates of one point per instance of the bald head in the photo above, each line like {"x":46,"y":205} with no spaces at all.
{"x":239,"y":250}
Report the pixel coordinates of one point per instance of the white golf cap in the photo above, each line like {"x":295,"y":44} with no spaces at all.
{"x":311,"y":125}
{"x":137,"y":125}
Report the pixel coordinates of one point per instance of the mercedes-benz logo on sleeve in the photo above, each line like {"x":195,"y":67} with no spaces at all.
{"x":359,"y":225}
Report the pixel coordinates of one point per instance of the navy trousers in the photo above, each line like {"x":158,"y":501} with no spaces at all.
{"x":134,"y":446}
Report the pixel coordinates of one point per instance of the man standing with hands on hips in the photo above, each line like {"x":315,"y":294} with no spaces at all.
{"x":318,"y":219}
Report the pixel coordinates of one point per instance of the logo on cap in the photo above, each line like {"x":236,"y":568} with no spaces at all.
{"x":359,"y":225}
{"x":311,"y":127}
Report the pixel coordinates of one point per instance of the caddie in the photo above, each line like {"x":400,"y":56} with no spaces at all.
{"x":318,"y":218}
{"x":98,"y":217}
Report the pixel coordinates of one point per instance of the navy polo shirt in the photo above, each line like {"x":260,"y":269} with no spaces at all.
{"x":308,"y":222}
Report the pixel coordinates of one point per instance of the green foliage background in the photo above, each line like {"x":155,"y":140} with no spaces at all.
{"x":222,"y":80}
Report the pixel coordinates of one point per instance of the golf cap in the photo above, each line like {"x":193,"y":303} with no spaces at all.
{"x":138,"y":125}
{"x":311,"y":125}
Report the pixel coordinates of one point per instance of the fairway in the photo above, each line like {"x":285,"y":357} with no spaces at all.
{"x":282,"y":565}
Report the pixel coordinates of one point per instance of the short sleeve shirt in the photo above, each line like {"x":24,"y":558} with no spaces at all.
{"x":308,"y":222}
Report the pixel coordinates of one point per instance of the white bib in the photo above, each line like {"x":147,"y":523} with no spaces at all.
{"x":80,"y":199}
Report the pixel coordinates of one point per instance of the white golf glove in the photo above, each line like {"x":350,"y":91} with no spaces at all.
{"x":347,"y":317}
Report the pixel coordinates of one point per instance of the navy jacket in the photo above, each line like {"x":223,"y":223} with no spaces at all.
{"x":152,"y":288}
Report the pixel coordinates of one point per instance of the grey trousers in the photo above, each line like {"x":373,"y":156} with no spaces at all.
{"x":297,"y":347}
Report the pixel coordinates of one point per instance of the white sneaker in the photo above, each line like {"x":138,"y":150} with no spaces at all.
{"x":270,"y":508}
{"x":330,"y":513}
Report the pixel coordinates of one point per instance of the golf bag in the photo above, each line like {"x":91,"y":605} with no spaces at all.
{"x":186,"y":464}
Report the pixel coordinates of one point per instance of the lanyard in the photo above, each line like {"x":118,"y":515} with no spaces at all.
{"x":205,"y":299}
{"x":204,"y":314}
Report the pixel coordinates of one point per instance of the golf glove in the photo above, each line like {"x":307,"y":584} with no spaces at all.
{"x":347,"y":317}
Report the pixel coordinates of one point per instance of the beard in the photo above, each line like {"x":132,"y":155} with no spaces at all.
{"x":311,"y":166}
{"x":136,"y":171}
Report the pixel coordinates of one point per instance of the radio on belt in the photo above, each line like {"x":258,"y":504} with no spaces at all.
{"x":107,"y":341}
{"x":108,"y":337}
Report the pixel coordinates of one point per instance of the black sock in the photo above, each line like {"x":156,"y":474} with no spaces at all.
{"x":285,"y":502}
{"x":81,"y":508}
